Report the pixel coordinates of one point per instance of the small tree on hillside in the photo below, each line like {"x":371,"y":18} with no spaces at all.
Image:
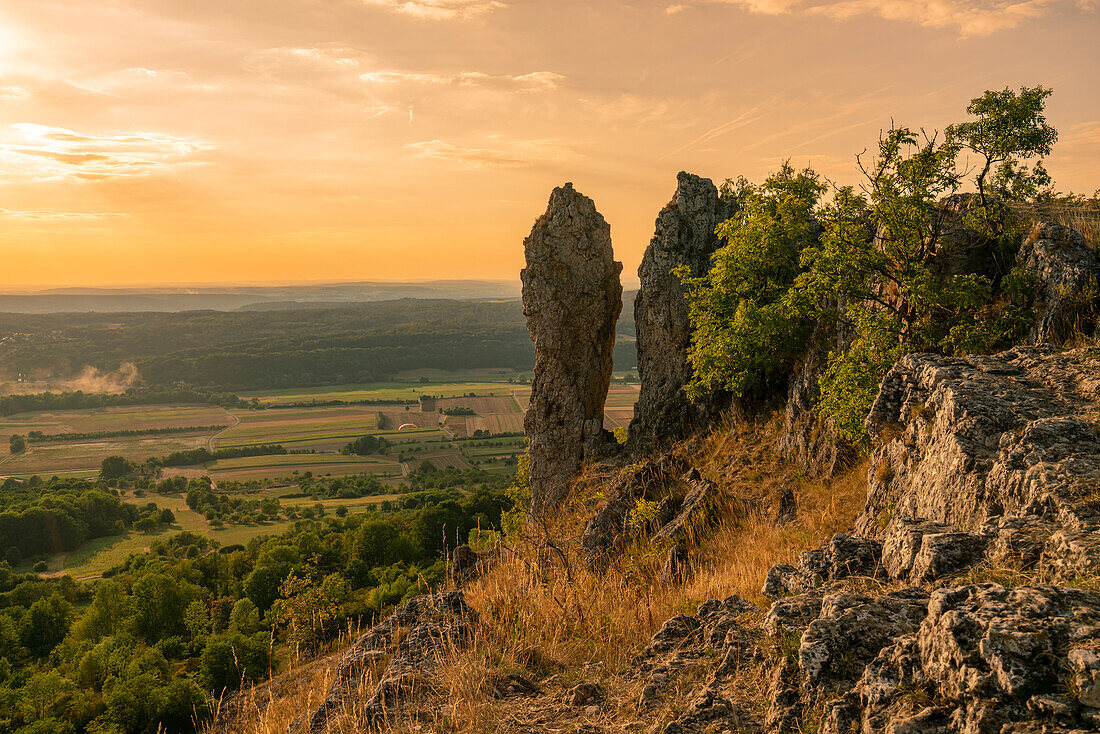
{"x":114,"y":467}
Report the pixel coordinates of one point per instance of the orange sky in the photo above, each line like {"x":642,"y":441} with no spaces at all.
{"x":151,"y":141}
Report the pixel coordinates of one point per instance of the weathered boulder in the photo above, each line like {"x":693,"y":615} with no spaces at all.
{"x":1068,"y":271}
{"x":715,"y":638}
{"x":844,"y":556}
{"x":985,"y":659}
{"x":684,"y":236}
{"x":964,"y":440}
{"x":571,"y":298}
{"x":467,"y":564}
{"x":414,"y":636}
{"x":851,"y":630}
{"x":924,"y":550}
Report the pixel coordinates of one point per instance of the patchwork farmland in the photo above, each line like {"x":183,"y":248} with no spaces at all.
{"x":447,"y":422}
{"x":437,"y":421}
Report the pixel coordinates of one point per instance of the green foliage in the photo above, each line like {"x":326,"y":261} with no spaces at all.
{"x":58,"y":515}
{"x":1010,"y":129}
{"x":884,"y":263}
{"x":365,"y":445}
{"x":746,"y":332}
{"x":113,"y":467}
{"x":17,"y":444}
{"x":147,"y":646}
{"x":514,"y":520}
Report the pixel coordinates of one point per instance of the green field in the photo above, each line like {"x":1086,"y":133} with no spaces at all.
{"x":430,"y":435}
{"x":384,"y":391}
{"x":496,"y":406}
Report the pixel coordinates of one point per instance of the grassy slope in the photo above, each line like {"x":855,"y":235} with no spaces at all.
{"x":559,"y":624}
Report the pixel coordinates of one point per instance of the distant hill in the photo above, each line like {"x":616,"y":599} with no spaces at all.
{"x":233,"y":297}
{"x":275,"y":345}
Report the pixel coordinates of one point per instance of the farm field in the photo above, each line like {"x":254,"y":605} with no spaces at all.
{"x":417,"y":432}
{"x":382,"y":391}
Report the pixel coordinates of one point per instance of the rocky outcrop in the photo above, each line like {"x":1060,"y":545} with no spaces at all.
{"x":806,"y":441}
{"x":963,"y":440}
{"x":686,"y":504}
{"x":985,"y":659}
{"x":1068,"y":273}
{"x":718,"y":638}
{"x":411,"y":639}
{"x":684,"y":236}
{"x":979,"y":461}
{"x":571,"y":298}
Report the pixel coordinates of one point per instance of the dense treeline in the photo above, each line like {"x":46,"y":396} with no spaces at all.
{"x":427,"y":476}
{"x":59,"y":515}
{"x":265,"y":349}
{"x":146,"y":649}
{"x":11,"y":404}
{"x":39,"y":437}
{"x":203,"y":455}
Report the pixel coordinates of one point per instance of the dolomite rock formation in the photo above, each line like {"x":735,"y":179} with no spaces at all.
{"x":964,"y":440}
{"x":1068,"y":271}
{"x":571,"y":298}
{"x":684,"y":236}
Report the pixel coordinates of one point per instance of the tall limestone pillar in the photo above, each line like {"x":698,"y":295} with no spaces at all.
{"x":571,"y":298}
{"x":684,"y":236}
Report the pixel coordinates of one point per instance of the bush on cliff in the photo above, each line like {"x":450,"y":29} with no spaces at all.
{"x":907,"y":263}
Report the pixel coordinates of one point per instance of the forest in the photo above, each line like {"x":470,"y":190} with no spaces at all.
{"x":235,"y":350}
{"x":165,"y":632}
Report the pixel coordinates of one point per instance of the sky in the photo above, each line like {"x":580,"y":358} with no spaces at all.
{"x":205,"y":141}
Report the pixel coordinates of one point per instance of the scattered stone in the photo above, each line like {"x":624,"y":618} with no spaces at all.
{"x":844,"y":556}
{"x":794,"y":614}
{"x":684,"y":236}
{"x":709,"y":711}
{"x":571,"y":298}
{"x":694,"y":510}
{"x":585,"y":694}
{"x":507,"y":686}
{"x":466,"y":565}
{"x":851,"y":630}
{"x":924,"y":550}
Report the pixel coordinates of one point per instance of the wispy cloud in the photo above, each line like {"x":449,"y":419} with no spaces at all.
{"x":43,"y":152}
{"x":969,"y":17}
{"x":42,"y":215}
{"x":502,"y":154}
{"x":538,"y":81}
{"x":125,"y":82}
{"x":439,"y":9}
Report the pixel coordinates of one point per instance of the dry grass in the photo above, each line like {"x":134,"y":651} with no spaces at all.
{"x":544,"y":615}
{"x":1083,"y":216}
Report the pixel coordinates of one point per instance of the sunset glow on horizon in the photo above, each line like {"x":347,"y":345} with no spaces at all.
{"x":157,"y":141}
